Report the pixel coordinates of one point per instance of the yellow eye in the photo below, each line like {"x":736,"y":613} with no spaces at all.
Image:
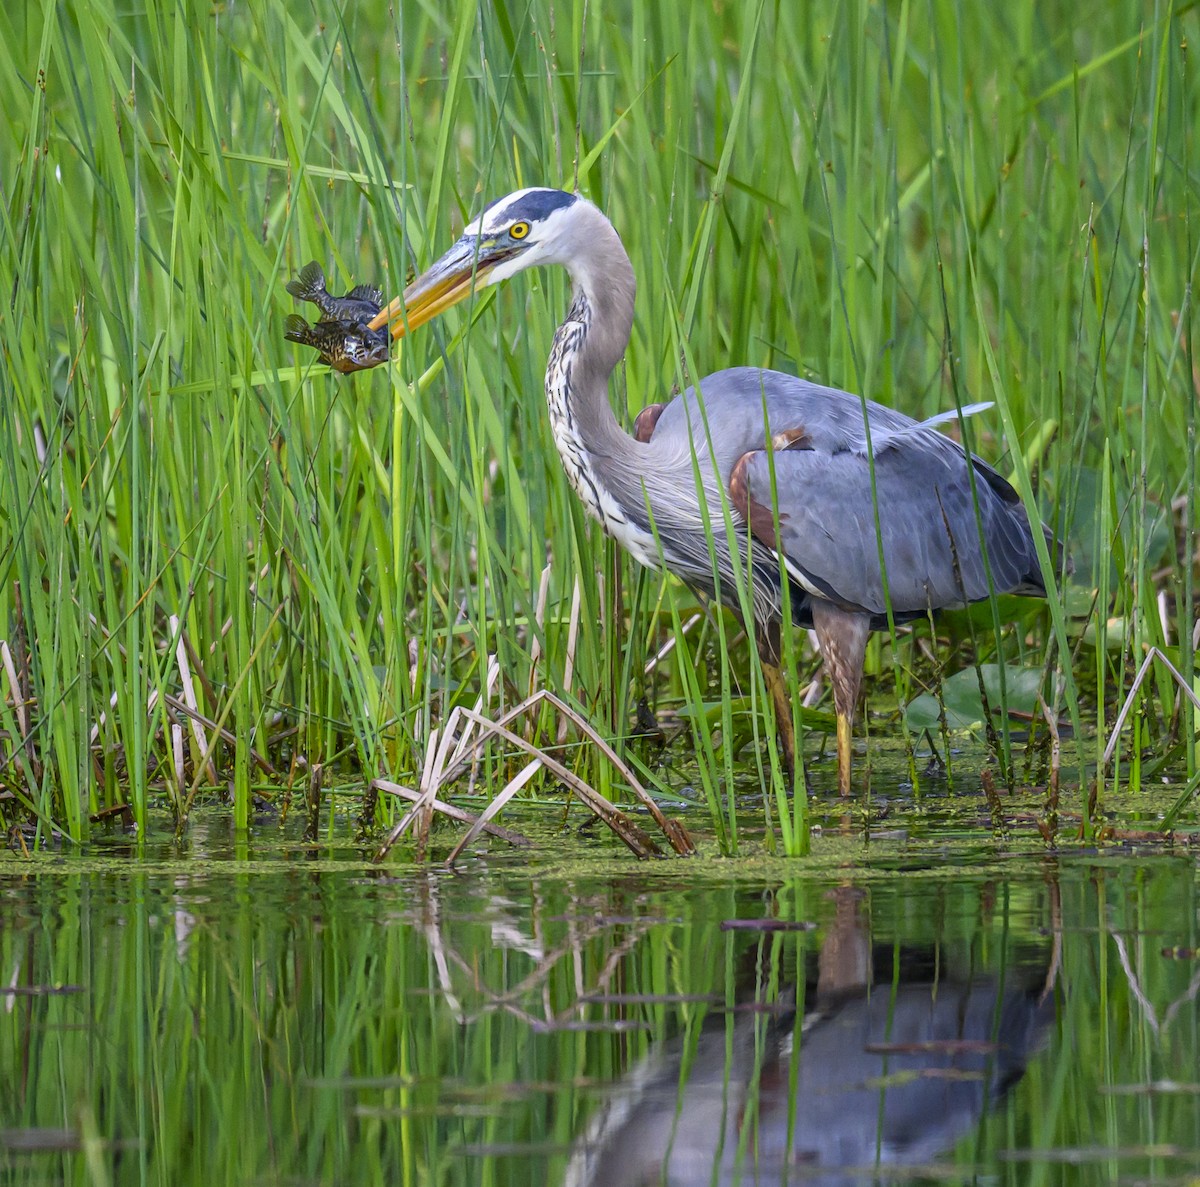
{"x":518,"y":230}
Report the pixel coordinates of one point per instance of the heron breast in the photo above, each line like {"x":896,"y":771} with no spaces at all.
{"x":601,"y":504}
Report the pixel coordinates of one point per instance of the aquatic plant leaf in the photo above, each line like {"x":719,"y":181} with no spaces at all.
{"x":964,"y":705}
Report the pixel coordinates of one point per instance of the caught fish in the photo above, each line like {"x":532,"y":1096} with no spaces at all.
{"x":341,"y":337}
{"x":361,"y":303}
{"x":345,"y":344}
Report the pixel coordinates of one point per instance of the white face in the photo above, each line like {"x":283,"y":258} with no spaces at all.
{"x":541,"y":222}
{"x":531,"y":204}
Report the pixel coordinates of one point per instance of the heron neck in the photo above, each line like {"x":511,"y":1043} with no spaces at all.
{"x":587,"y":347}
{"x":632,"y":488}
{"x":601,"y":460}
{"x":591,"y":342}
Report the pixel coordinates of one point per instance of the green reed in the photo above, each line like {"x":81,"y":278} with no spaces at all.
{"x":915,"y":202}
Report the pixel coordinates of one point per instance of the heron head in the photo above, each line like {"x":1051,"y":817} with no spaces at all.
{"x":529,"y":227}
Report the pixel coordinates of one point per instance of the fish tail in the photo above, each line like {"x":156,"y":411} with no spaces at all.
{"x":309,"y":285}
{"x":296,"y":329}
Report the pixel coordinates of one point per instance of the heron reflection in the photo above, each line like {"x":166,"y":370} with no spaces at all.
{"x":885,"y":1064}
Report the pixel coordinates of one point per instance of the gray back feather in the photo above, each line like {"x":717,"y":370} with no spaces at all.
{"x":927,"y":519}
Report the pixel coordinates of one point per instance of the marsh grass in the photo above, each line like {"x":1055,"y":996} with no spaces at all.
{"x":927,"y":204}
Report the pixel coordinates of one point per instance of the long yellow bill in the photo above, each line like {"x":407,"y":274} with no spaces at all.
{"x":453,"y":277}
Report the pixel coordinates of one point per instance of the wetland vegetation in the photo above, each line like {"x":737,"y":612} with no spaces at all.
{"x":228,"y":575}
{"x":247,"y":604}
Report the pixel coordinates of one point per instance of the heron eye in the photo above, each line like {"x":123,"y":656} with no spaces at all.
{"x":518,"y":230}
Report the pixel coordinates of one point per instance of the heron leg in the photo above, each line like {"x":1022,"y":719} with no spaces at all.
{"x":783,"y":714}
{"x":842,"y":636}
{"x":766,"y":636}
{"x":845,"y":739}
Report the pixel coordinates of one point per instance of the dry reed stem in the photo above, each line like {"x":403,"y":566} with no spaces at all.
{"x":19,"y":706}
{"x":637,"y":840}
{"x":177,"y":756}
{"x":1151,"y":655}
{"x":447,"y":755}
{"x":189,"y":694}
{"x":455,"y":813}
{"x":506,"y":793}
{"x":674,"y":831}
{"x":264,"y":764}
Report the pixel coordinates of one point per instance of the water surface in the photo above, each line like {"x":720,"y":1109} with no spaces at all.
{"x":885,"y":1011}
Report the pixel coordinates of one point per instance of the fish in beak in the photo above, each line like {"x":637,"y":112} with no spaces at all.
{"x":464,"y":268}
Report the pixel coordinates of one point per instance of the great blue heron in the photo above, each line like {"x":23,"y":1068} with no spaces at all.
{"x":790,"y":460}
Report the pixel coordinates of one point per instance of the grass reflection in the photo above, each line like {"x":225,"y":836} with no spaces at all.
{"x":510,"y":1024}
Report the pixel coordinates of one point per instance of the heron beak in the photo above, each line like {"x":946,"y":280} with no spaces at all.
{"x":455,"y":276}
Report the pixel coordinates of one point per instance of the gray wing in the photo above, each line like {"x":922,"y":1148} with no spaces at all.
{"x":733,"y":406}
{"x":827,"y":535}
{"x":927,"y":522}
